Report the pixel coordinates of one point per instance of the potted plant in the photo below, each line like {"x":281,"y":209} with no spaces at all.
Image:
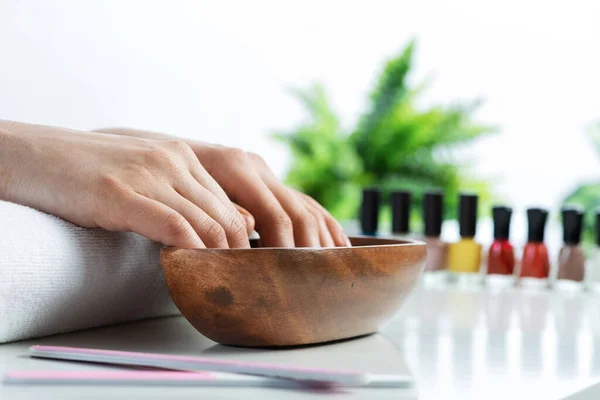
{"x":396,"y":144}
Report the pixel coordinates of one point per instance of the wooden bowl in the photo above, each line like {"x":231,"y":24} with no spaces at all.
{"x":266,"y":297}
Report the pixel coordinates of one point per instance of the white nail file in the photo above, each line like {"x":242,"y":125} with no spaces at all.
{"x":177,"y":378}
{"x":193,"y":363}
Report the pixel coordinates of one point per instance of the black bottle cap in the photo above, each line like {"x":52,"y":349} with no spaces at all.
{"x":467,"y":215}
{"x":501,"y":215}
{"x":400,"y":212}
{"x":536,"y":220}
{"x":433,"y":213}
{"x":369,"y":211}
{"x":572,"y":225}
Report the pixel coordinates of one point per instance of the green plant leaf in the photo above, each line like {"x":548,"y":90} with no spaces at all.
{"x":389,"y":93}
{"x":396,"y":144}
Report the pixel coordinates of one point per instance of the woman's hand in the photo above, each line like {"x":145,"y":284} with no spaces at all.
{"x":169,"y":191}
{"x":157,"y":188}
{"x":284,"y":217}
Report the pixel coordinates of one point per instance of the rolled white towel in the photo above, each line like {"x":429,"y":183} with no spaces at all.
{"x":57,"y":277}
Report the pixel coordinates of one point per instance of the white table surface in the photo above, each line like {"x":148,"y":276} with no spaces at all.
{"x":174,"y":335}
{"x":459,"y":342}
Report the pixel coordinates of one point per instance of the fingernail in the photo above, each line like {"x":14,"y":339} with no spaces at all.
{"x":346,"y":240}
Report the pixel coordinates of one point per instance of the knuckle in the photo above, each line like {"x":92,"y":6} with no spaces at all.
{"x":163,"y":159}
{"x":109,"y":184}
{"x":249,"y":222}
{"x":256,"y":157}
{"x":175,"y":225}
{"x":235,"y":154}
{"x":181,"y":147}
{"x":282,"y":221}
{"x":237,"y":228}
{"x":109,"y":218}
{"x":178,"y":144}
{"x":138,"y":172}
{"x":215,"y":233}
{"x":158,"y":155}
{"x":307,"y":219}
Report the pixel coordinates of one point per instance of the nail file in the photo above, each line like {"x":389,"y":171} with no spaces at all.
{"x":145,"y":378}
{"x":192,"y":363}
{"x":177,"y":378}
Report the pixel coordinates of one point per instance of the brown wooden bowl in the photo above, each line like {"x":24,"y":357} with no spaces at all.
{"x":265,"y":297}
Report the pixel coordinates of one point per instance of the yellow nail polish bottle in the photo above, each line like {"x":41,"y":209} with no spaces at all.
{"x":465,"y":255}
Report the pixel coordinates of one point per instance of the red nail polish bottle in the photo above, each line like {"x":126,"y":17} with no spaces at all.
{"x":501,"y":256}
{"x":535,"y":262}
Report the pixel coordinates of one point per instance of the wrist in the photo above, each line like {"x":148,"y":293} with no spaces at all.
{"x":19,"y":146}
{"x":6,"y":171}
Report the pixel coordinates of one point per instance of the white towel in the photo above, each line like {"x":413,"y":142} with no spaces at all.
{"x":56,"y":277}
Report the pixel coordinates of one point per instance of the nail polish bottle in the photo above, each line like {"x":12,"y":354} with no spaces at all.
{"x":571,"y":259}
{"x":401,"y":213}
{"x":437,"y":250}
{"x":369,"y":211}
{"x":464,"y":257}
{"x":535,"y":265}
{"x":501,"y":255}
{"x":593,"y":263}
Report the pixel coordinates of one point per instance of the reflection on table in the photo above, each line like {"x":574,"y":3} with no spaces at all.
{"x":488,"y":342}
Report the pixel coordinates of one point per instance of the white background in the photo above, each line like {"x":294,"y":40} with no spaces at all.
{"x":219,"y":71}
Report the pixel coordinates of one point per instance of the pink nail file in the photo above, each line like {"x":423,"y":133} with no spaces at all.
{"x":191,"y":363}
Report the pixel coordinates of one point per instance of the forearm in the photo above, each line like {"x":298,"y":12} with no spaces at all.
{"x":21,"y":146}
{"x":4,"y":168}
{"x":12,"y":166}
